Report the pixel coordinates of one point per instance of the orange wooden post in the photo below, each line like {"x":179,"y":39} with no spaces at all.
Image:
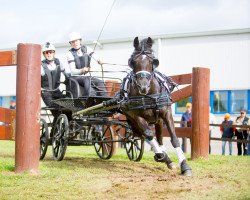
{"x":28,"y":92}
{"x":200,"y":113}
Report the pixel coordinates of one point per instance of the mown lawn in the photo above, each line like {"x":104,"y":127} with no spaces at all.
{"x":82,"y":175}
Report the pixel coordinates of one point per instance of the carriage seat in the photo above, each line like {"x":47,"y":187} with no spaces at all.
{"x":74,"y":90}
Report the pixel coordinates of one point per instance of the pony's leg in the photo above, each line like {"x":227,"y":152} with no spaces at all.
{"x":158,"y":132}
{"x":168,"y":119}
{"x":159,"y":138}
{"x":160,"y":154}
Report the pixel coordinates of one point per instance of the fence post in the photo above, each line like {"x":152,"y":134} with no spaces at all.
{"x":200,"y":113}
{"x":28,"y":92}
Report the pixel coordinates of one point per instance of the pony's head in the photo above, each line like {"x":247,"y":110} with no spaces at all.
{"x":143,"y":64}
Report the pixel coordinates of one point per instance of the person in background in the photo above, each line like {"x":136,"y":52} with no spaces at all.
{"x":227,"y":133}
{"x":241,"y":133}
{"x":51,"y":69}
{"x":187,"y":119}
{"x":79,"y":58}
{"x":248,"y":138}
{"x":212,"y":120}
{"x":12,"y":104}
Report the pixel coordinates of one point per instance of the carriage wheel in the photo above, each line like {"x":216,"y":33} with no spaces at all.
{"x":60,"y":137}
{"x":105,"y":145}
{"x":134,"y":146}
{"x":44,"y":138}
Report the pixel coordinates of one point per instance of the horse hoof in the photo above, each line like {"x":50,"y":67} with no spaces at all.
{"x":187,"y":173}
{"x":185,"y":169}
{"x":171,"y":165}
{"x":163,"y":157}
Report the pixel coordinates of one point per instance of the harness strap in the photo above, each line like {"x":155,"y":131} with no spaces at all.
{"x":156,"y":102}
{"x":125,"y":87}
{"x":162,"y":80}
{"x":159,"y":77}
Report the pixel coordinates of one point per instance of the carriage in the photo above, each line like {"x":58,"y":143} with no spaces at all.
{"x":94,"y":120}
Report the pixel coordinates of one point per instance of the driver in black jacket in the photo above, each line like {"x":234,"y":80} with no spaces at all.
{"x":51,"y":70}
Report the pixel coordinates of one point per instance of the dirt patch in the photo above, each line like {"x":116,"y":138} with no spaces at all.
{"x":141,"y":181}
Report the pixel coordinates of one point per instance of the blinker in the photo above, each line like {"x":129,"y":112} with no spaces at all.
{"x":155,"y":63}
{"x":131,"y":62}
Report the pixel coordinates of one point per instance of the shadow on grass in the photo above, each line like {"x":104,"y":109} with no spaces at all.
{"x":7,"y":167}
{"x":80,"y":162}
{"x":7,"y":162}
{"x":10,"y":168}
{"x":96,"y":164}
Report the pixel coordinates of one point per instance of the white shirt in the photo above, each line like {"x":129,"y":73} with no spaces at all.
{"x":52,"y":66}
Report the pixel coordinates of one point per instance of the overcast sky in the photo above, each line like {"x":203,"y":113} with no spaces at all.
{"x":36,"y":21}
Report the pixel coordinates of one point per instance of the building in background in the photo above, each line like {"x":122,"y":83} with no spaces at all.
{"x":226,"y":53}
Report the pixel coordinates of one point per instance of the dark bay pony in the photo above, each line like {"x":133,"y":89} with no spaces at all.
{"x":149,"y":102}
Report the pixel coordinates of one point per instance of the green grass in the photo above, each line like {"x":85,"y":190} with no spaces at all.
{"x":82,"y":175}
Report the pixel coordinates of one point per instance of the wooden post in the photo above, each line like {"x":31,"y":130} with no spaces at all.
{"x":200,"y":113}
{"x":8,"y":125}
{"x":28,"y":92}
{"x":7,"y":58}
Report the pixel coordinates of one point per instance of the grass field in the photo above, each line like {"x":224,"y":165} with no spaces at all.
{"x":82,"y":175}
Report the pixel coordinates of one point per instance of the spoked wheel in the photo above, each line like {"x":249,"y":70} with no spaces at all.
{"x":105,"y":145}
{"x":44,"y":138}
{"x":134,"y":146}
{"x":60,"y":137}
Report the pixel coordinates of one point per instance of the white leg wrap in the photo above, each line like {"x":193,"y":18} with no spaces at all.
{"x":155,"y":146}
{"x":180,"y":154}
{"x":163,"y":148}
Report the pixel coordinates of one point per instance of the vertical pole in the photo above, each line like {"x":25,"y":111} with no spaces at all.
{"x":200,"y":113}
{"x":28,"y":92}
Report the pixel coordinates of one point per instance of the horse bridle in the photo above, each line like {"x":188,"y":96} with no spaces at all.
{"x":142,"y":73}
{"x":143,"y":51}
